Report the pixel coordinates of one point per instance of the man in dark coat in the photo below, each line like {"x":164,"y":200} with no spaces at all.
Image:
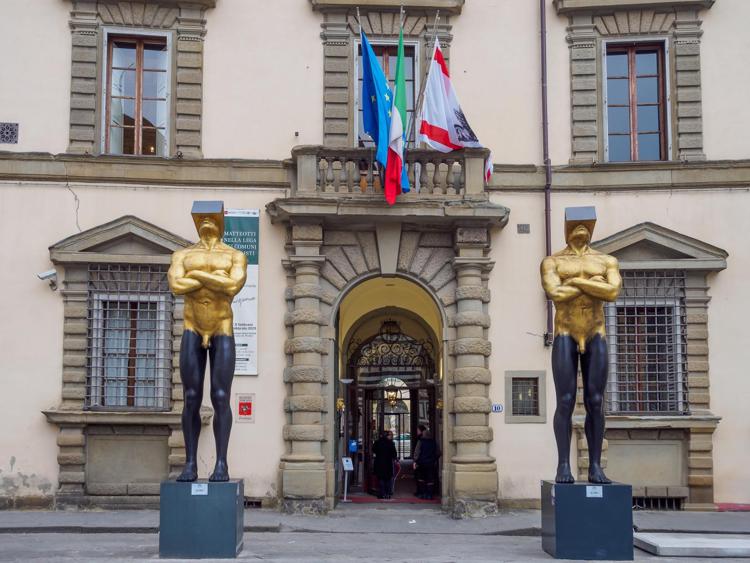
{"x":385,"y":454}
{"x":426,"y":456}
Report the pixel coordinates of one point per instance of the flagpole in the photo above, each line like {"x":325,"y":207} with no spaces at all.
{"x":423,"y":85}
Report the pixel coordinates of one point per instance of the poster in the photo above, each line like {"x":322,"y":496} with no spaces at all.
{"x":241,"y":230}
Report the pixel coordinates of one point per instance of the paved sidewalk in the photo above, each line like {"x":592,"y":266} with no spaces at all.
{"x":373,"y":534}
{"x":396,"y":519}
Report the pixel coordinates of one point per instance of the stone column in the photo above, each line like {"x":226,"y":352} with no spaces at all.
{"x":303,"y":471}
{"x":473,"y":471}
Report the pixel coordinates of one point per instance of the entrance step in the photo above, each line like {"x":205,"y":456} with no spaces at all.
{"x":692,"y":545}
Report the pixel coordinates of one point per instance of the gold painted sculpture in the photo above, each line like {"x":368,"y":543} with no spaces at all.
{"x":208,"y":275}
{"x":579,"y":280}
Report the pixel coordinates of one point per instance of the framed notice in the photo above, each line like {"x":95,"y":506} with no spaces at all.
{"x":241,"y":231}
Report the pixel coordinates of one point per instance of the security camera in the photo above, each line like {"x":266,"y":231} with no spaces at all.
{"x":50,"y":276}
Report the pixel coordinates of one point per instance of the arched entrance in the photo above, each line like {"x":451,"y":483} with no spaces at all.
{"x":390,"y":379}
{"x":393,"y":386}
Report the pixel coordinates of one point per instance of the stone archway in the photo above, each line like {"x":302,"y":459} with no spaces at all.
{"x":324,"y":262}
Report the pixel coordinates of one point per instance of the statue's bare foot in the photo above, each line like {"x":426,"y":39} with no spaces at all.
{"x":564,"y":474}
{"x":189,"y":473}
{"x":596,"y":475}
{"x":221,"y":472}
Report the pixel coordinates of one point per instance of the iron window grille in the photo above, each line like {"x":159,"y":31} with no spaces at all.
{"x":525,"y":396}
{"x":647,"y":345}
{"x":129,"y":359}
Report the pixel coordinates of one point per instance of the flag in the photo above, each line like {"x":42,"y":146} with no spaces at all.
{"x":396,"y":179}
{"x":376,"y":101}
{"x":443,"y":124}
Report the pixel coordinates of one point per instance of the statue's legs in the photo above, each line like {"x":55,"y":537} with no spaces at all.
{"x":192,"y":370}
{"x":221,"y":353}
{"x":565,"y":373}
{"x":594,"y":370}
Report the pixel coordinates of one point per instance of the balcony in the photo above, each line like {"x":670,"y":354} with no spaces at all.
{"x":339,"y":183}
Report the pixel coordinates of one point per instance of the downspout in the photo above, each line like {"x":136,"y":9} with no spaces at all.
{"x":547,"y":163}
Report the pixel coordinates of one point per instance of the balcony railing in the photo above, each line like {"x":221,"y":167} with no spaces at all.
{"x":342,"y":172}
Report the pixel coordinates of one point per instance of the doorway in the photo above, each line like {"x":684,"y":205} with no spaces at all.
{"x":392,"y":386}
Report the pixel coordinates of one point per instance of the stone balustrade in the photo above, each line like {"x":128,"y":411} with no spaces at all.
{"x":324,"y":171}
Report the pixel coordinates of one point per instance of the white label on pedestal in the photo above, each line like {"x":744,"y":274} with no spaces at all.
{"x":596,"y":491}
{"x":199,"y":489}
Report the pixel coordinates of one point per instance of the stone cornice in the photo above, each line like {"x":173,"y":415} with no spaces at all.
{"x":573,"y":6}
{"x":625,"y":177}
{"x":46,"y":167}
{"x":200,"y":3}
{"x":443,"y":210}
{"x":62,"y":417}
{"x":445,"y":6}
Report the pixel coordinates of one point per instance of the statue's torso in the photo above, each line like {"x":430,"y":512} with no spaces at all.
{"x":208,"y":312}
{"x":583,"y":316}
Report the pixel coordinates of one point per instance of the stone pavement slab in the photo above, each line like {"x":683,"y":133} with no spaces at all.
{"x":691,"y":545}
{"x":685,"y":521}
{"x":287,"y":547}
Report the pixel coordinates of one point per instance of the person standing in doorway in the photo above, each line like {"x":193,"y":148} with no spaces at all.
{"x":385,"y":454}
{"x":426,"y":456}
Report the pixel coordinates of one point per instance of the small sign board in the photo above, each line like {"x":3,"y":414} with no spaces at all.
{"x":594,"y":491}
{"x":497,"y":407}
{"x":347,"y":463}
{"x":245,"y":407}
{"x":199,"y":489}
{"x":352,"y":446}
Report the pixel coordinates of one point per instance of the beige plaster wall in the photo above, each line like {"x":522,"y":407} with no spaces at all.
{"x":726,"y":79}
{"x":35,"y":63}
{"x":495,"y":68}
{"x":518,"y":320}
{"x":32,"y":315}
{"x":263,"y":79}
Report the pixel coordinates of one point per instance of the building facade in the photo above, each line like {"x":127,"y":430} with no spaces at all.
{"x":116,"y":115}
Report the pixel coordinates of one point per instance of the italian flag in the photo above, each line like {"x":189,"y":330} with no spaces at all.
{"x":396,"y":179}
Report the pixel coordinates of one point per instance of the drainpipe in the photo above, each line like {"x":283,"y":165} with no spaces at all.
{"x":547,"y":163}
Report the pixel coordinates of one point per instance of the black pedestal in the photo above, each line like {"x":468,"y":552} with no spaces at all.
{"x":583,"y":521}
{"x":201,"y":519}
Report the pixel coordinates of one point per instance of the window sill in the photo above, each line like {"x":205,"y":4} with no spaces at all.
{"x":706,"y":420}
{"x":573,"y":6}
{"x":146,"y":418}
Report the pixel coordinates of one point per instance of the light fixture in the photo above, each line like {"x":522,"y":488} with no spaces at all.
{"x":392,"y":396}
{"x":340,"y":404}
{"x":346,"y":381}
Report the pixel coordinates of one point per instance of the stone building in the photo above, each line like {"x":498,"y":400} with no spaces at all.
{"x":116,"y":115}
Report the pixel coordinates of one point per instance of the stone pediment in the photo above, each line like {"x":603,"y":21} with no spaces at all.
{"x":648,"y":246}
{"x":127,"y":239}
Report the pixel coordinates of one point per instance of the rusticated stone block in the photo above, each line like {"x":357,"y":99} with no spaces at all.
{"x":305,"y":344}
{"x":473,"y":292}
{"x":472,"y":404}
{"x":305,"y":403}
{"x":472,"y":375}
{"x":304,"y":374}
{"x":304,"y":432}
{"x":472,"y":434}
{"x":304,"y":316}
{"x":470,"y":318}
{"x":472,"y":346}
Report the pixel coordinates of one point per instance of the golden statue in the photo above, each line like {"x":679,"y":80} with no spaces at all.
{"x":208,"y":275}
{"x":579,"y":279}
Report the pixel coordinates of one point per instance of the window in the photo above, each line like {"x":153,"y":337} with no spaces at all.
{"x":129,"y":338}
{"x":525,"y":396}
{"x":647,"y":341}
{"x":387,"y":56}
{"x":137,"y":97}
{"x":635,"y":102}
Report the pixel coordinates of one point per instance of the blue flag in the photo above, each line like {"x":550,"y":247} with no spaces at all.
{"x":377,"y":99}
